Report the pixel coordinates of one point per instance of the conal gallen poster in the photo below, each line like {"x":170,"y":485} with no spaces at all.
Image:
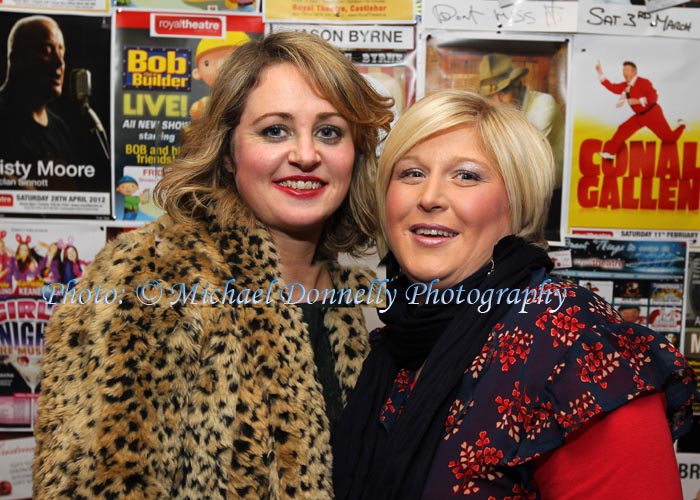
{"x":635,"y":160}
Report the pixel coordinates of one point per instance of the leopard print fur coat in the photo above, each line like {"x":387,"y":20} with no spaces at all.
{"x":189,"y":401}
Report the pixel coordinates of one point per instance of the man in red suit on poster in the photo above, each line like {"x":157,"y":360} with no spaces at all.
{"x":641,"y":96}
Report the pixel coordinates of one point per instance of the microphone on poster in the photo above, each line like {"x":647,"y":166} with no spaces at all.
{"x":81,"y":85}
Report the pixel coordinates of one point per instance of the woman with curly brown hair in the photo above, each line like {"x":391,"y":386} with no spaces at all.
{"x":234,"y":396}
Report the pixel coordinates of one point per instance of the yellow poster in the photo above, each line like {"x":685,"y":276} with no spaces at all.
{"x":361,"y":11}
{"x":635,"y":160}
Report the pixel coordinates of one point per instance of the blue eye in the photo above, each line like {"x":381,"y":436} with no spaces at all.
{"x":274,"y":132}
{"x":329,"y":133}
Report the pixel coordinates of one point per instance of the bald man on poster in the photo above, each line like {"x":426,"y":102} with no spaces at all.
{"x":29,"y":130}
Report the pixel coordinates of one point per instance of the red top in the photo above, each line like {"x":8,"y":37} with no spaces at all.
{"x":628,"y":445}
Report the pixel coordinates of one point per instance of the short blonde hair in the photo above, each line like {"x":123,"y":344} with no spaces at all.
{"x":521,"y":154}
{"x":199,"y":178}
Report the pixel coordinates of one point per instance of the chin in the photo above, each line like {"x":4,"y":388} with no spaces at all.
{"x":423,"y":275}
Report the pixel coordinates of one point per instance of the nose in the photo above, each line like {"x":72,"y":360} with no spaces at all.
{"x":56,"y":59}
{"x":432,"y":197}
{"x":304,"y":153}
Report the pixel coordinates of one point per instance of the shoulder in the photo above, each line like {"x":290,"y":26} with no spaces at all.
{"x":542,"y":97}
{"x":643,"y":83}
{"x":162,"y":250}
{"x":578,"y":361}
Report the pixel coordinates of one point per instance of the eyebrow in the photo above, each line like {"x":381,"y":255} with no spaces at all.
{"x":290,"y":117}
{"x":453,"y":160}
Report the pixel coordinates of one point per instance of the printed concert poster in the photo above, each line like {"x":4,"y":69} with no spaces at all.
{"x":385,"y":55}
{"x":233,"y":7}
{"x":691,"y":344}
{"x":688,"y":445}
{"x":635,"y":158}
{"x":347,"y":11}
{"x":643,"y":280}
{"x":528,"y":74}
{"x":55,"y":109}
{"x":67,"y":5}
{"x":33,"y":256}
{"x":166,"y":64}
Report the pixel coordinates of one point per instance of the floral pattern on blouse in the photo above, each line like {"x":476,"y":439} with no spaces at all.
{"x":539,"y":377}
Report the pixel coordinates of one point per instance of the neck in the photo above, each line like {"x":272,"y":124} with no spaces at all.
{"x":297,"y":261}
{"x":40,"y":115}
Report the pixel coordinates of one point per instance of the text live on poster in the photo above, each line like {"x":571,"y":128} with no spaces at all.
{"x":166,"y":63}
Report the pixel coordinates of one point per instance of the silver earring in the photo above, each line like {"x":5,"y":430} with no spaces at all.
{"x":492,"y":266}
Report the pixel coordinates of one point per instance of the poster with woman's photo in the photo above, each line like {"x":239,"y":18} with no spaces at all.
{"x":55,"y":116}
{"x":37,"y":263}
{"x":528,"y":74}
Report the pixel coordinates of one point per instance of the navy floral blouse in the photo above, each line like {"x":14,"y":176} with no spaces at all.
{"x":539,"y":377}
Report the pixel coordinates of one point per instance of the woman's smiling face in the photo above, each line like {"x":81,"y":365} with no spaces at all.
{"x":446,"y":208}
{"x":293,"y":153}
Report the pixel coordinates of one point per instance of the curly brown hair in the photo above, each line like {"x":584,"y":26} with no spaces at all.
{"x":199,"y":178}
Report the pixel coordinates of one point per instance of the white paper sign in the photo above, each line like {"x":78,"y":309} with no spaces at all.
{"x":689,"y":469}
{"x":358,"y":36}
{"x":550,"y":16}
{"x":612,"y":19}
{"x":16,"y":457}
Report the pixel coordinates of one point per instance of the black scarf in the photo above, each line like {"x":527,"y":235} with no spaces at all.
{"x":371,"y":464}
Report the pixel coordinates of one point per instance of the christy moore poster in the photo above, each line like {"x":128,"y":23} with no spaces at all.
{"x":55,"y":117}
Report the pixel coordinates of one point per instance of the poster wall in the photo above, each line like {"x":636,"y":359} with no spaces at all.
{"x":530,"y":74}
{"x":165,"y":65}
{"x":34,"y":260}
{"x":55,"y":126}
{"x":635,"y":158}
